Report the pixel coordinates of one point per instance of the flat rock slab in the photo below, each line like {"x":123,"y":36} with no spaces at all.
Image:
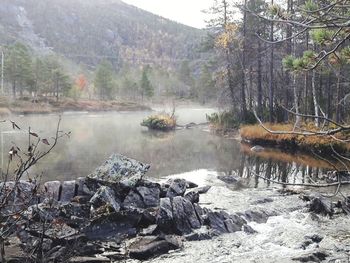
{"x":120,"y":169}
{"x":89,"y":260}
{"x":53,"y":189}
{"x":143,"y":248}
{"x":68,"y":191}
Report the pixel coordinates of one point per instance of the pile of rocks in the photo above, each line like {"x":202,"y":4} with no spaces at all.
{"x":116,"y":213}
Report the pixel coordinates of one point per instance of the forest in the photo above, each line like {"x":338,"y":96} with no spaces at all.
{"x":282,"y":58}
{"x":128,"y":137}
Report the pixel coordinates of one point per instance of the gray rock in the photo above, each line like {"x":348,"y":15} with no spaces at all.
{"x":256,"y":216}
{"x":68,"y":191}
{"x":216,"y":221}
{"x":192,"y":196}
{"x":249,"y":230}
{"x":257,"y":148}
{"x":18,"y":195}
{"x":143,"y":248}
{"x":231,"y":226}
{"x":42,"y":212}
{"x":190,"y":185}
{"x":222,"y":222}
{"x":190,"y":213}
{"x":199,"y":235}
{"x":181,"y":224}
{"x":117,"y":226}
{"x":150,"y":196}
{"x":81,"y":199}
{"x":262,"y":201}
{"x":229,"y":179}
{"x":200,"y":213}
{"x":133,"y":199}
{"x":312,"y":257}
{"x":53,"y":190}
{"x":89,"y":260}
{"x":80,"y":184}
{"x":202,"y":190}
{"x":120,"y":169}
{"x":321,"y":205}
{"x":151,"y":230}
{"x":165,"y":215}
{"x":105,"y":196}
{"x":75,"y":209}
{"x":177,"y":188}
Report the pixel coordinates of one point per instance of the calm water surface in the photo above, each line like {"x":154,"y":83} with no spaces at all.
{"x":95,"y":136}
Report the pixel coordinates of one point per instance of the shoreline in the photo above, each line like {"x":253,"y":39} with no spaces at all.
{"x":50,"y":106}
{"x":255,"y":135}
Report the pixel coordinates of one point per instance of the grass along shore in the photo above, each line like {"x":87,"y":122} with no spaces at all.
{"x":50,"y":105}
{"x":257,"y":135}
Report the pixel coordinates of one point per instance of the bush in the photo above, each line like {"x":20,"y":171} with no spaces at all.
{"x":225,"y":120}
{"x":228,"y":120}
{"x":163,"y":122}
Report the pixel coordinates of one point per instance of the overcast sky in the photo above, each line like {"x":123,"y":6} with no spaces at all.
{"x":187,"y":12}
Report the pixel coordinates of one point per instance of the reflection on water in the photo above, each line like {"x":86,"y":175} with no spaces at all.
{"x":96,"y":136}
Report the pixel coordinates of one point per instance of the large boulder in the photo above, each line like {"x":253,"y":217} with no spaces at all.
{"x":143,"y":248}
{"x":222,"y":222}
{"x":17,"y":195}
{"x":120,"y":169}
{"x":116,"y":226}
{"x":150,"y":196}
{"x":165,"y":215}
{"x":185,"y":217}
{"x":321,"y":205}
{"x":177,"y":188}
{"x":53,"y":190}
{"x":133,"y":199}
{"x":192,"y":196}
{"x":69,"y":190}
{"x":105,"y":196}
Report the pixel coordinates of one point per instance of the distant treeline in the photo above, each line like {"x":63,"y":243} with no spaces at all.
{"x":29,"y":74}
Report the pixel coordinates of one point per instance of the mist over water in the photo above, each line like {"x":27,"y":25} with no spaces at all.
{"x":95,"y":136}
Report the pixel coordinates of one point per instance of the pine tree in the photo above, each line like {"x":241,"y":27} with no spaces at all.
{"x":146,"y":87}
{"x":18,"y":70}
{"x":104,"y":80}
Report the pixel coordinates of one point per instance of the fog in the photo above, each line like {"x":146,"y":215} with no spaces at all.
{"x":95,"y":136}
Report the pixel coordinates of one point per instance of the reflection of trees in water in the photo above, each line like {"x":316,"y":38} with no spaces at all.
{"x":251,"y":166}
{"x":158,"y":134}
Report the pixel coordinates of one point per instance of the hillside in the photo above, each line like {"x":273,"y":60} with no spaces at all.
{"x":87,"y":31}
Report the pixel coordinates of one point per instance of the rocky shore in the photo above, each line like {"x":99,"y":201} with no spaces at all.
{"x":116,"y":214}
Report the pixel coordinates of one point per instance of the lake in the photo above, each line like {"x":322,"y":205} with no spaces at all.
{"x":95,"y":136}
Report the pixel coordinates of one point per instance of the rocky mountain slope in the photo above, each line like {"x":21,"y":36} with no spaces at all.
{"x":87,"y":31}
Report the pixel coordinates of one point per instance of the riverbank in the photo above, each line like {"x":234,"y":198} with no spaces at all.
{"x":206,"y":219}
{"x":290,"y":232}
{"x":257,"y":135}
{"x":47,"y":105}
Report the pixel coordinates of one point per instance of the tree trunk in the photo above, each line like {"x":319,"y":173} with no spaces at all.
{"x":337,"y":109}
{"x":243,"y":84}
{"x":56,"y":88}
{"x":296,"y":103}
{"x":14,"y":89}
{"x":314,"y":96}
{"x":271,"y":86}
{"x":250,"y":88}
{"x":329,"y":96}
{"x":259,"y":84}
